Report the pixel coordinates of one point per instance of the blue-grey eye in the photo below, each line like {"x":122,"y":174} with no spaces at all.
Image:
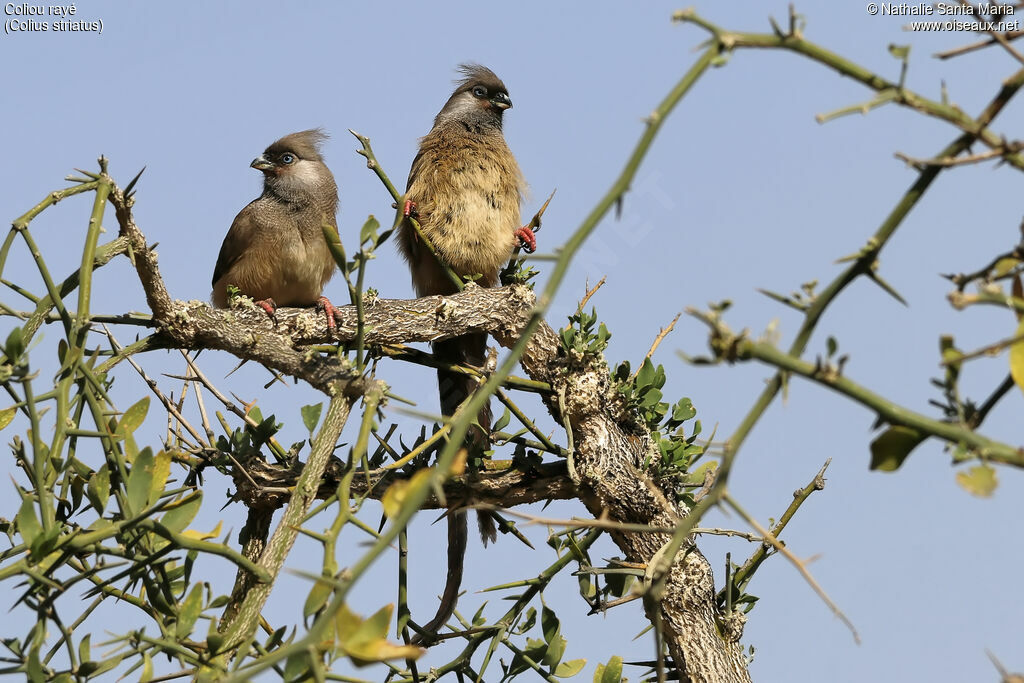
{"x":480,"y":91}
{"x":287,"y":158}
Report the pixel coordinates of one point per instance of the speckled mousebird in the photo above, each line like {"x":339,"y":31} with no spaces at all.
{"x":275,"y":250}
{"x":464,"y":189}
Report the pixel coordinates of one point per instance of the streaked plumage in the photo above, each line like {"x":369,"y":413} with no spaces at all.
{"x":464,"y":189}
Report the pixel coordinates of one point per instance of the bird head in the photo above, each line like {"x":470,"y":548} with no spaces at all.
{"x":479,"y":96}
{"x":294,"y":162}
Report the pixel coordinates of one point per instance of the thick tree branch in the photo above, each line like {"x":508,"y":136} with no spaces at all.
{"x":268,"y":485}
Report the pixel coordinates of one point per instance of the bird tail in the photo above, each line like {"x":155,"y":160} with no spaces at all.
{"x":470,"y":349}
{"x":457,"y":534}
{"x":454,"y":388}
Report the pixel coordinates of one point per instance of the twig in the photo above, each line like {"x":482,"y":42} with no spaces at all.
{"x":155,"y":388}
{"x":798,"y":563}
{"x":887,"y":90}
{"x":1000,"y":38}
{"x":989,"y":350}
{"x":949,"y":162}
{"x":662,"y":334}
{"x":373,"y":165}
{"x":745,"y":573}
{"x":527,"y":422}
{"x":589,"y":293}
{"x":576,"y":523}
{"x":970,"y":47}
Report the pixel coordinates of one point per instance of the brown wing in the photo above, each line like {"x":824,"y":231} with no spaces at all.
{"x":240,"y":236}
{"x":407,"y":243}
{"x":414,"y":169}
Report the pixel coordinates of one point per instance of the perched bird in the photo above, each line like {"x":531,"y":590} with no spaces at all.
{"x":464,"y":189}
{"x":275,"y":251}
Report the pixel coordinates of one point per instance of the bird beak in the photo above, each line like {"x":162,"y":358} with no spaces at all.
{"x":501,"y":101}
{"x":261,"y":163}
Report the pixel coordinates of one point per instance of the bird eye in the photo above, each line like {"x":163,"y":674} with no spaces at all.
{"x":480,"y":91}
{"x":287,"y":158}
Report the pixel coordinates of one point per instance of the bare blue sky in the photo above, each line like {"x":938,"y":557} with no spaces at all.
{"x":743,"y":189}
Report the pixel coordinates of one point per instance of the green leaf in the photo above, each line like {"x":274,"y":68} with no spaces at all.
{"x":147,"y":668}
{"x":899,"y":51}
{"x":311,"y":416}
{"x":375,"y":626}
{"x":14,"y":346}
{"x":189,"y":612}
{"x":979,"y":481}
{"x":296,"y":667}
{"x":610,"y":672}
{"x":179,"y":517}
{"x":553,"y":654}
{"x":140,"y":481}
{"x":214,"y":641}
{"x":587,"y":588}
{"x":44,"y":543}
{"x":832,"y":346}
{"x":570,"y":668}
{"x":528,"y":621}
{"x":219,"y":601}
{"x":317,"y":598}
{"x":1003,"y":266}
{"x":276,"y":638}
{"x":684,"y":410}
{"x":28,"y":524}
{"x":107,"y":664}
{"x":368,"y":233}
{"x":1017,"y":358}
{"x":645,"y":377}
{"x":618,"y":584}
{"x":552,"y":630}
{"x":34,"y":667}
{"x":6,"y":415}
{"x":502,"y":422}
{"x":84,"y":649}
{"x":133,"y":418}
{"x":161,"y":471}
{"x":892,"y":447}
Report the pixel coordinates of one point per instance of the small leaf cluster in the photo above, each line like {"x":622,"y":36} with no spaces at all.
{"x":247,"y":440}
{"x":518,"y":272}
{"x":545,"y":652}
{"x":584,"y":335}
{"x":642,"y":394}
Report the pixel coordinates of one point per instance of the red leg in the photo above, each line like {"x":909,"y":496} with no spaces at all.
{"x":324,"y":304}
{"x":270,"y":307}
{"x":409,"y":209}
{"x":526,"y":239}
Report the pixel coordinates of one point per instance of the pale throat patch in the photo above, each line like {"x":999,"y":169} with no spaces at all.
{"x":303,"y":174}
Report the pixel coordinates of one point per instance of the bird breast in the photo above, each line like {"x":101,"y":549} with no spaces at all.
{"x":470,"y":204}
{"x":303,"y":268}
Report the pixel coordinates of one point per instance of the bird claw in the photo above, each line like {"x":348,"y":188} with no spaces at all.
{"x":270,"y":307}
{"x":324,"y":304}
{"x":527,"y":240}
{"x":409,"y":209}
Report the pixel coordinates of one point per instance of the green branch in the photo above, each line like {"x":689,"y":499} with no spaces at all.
{"x":893,"y":413}
{"x":888,"y":91}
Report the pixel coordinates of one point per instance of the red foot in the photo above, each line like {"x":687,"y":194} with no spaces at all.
{"x":270,"y":307}
{"x":324,"y":304}
{"x":526,"y":239}
{"x":409,"y":209}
